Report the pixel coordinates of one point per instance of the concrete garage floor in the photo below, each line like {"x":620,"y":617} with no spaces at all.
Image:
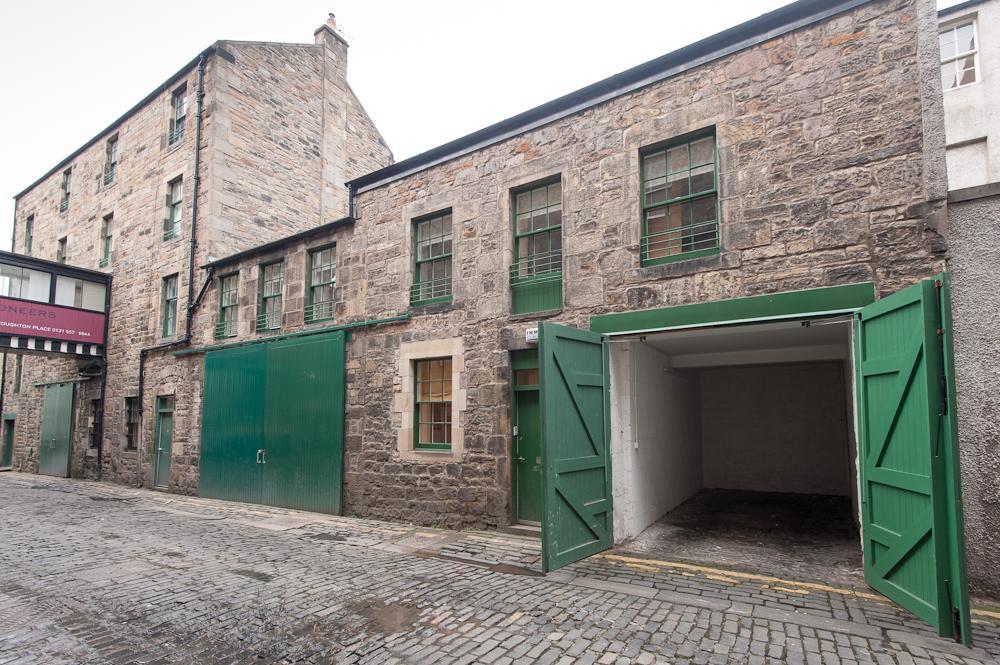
{"x":804,"y":536}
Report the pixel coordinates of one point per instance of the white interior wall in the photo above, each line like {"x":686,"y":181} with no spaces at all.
{"x":655,"y":447}
{"x":778,"y":428}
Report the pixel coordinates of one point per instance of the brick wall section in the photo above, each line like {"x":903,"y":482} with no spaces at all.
{"x":266,"y":146}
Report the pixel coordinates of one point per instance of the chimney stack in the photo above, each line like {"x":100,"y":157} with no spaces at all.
{"x":335,"y":45}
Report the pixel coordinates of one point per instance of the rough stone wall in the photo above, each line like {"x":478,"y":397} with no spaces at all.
{"x":822,"y":145}
{"x":265,"y":139}
{"x":974,"y":263}
{"x":140,"y":259}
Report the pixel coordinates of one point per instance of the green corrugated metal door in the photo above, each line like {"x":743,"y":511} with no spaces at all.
{"x":232,"y":424}
{"x":273,"y":423}
{"x":911,"y":499}
{"x":57,"y":420}
{"x":576,"y":460}
{"x":304,"y":423}
{"x":7,"y":455}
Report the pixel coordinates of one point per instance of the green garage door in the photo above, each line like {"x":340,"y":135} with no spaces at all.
{"x":576,"y":459}
{"x":57,"y":424}
{"x":911,"y":500}
{"x":273,"y":423}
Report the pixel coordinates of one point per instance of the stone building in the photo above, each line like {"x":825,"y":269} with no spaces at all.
{"x":689,"y":279}
{"x":145,"y":200}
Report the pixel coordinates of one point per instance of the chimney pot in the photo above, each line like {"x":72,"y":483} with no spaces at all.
{"x":332,"y":21}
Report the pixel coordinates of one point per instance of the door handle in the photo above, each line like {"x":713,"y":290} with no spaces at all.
{"x":263,"y":456}
{"x":520,"y":459}
{"x":258,"y":456}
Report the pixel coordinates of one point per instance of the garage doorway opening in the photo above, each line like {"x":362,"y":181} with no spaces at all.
{"x":736,"y":446}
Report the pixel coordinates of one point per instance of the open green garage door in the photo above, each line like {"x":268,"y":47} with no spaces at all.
{"x":576,"y":459}
{"x":911,"y":499}
{"x":273,"y":423}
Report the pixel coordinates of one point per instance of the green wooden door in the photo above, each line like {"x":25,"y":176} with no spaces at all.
{"x":232,"y":424}
{"x":576,"y":460}
{"x":162,"y":452}
{"x":57,"y":425}
{"x":7,"y":446}
{"x":528,"y":457}
{"x":911,"y":499}
{"x":304,"y":423}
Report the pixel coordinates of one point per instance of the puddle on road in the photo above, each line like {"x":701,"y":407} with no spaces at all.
{"x":391,"y":618}
{"x":253,"y":574}
{"x":328,"y":536}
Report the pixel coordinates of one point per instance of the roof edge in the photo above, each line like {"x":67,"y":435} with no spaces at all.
{"x":280,"y":242}
{"x":745,"y":35}
{"x":122,"y":118}
{"x":960,"y":7}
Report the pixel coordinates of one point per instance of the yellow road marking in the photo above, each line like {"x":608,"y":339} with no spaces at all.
{"x":734,"y":575}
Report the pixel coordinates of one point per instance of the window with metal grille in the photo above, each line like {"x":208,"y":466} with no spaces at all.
{"x":536,"y":276}
{"x":29,"y":234}
{"x":959,"y":55}
{"x":680,"y":217}
{"x":175,"y":209}
{"x":61,"y":250}
{"x":169,"y":306}
{"x":269,"y":307}
{"x":131,"y":423}
{"x":178,"y":105}
{"x":432,"y":238}
{"x":228,"y":305}
{"x":111,"y":160}
{"x":432,"y":399}
{"x":106,"y":228}
{"x":67,"y":178}
{"x":322,"y":283}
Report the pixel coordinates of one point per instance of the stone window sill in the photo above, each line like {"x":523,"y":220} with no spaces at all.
{"x":431,"y":456}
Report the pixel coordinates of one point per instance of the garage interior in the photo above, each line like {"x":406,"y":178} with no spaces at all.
{"x":735,"y":446}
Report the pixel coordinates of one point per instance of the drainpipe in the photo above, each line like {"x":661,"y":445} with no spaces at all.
{"x":192,"y":243}
{"x":99,"y":425}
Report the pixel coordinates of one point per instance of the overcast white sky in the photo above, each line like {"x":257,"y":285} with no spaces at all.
{"x":427,"y":71}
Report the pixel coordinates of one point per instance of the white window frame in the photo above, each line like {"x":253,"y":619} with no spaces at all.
{"x":952,"y":27}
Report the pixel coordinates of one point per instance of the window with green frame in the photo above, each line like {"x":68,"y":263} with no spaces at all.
{"x":680,"y":201}
{"x":536,"y":276}
{"x":168,"y":306}
{"x":106,"y":230}
{"x":269,"y":304}
{"x":178,"y":107}
{"x":229,"y":286}
{"x":432,"y":400}
{"x":432,"y":248}
{"x":322,"y":283}
{"x":175,"y":209}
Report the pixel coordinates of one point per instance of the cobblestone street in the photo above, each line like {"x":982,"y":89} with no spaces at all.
{"x":98,"y":573}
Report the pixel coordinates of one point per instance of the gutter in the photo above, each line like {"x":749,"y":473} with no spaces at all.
{"x":368,"y":323}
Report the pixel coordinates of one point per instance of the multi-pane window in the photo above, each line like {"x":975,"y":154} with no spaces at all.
{"x":432,"y":398}
{"x":432,"y":263}
{"x":96,"y":414}
{"x":536,"y":276}
{"x":168,"y":307}
{"x":106,"y":229}
{"x":178,"y":108}
{"x":959,"y":55}
{"x":131,"y":423}
{"x":67,"y":179}
{"x":111,"y":160}
{"x":228,"y":305}
{"x":175,"y":209}
{"x":322,"y":283}
{"x":24,"y":283}
{"x":269,"y":307}
{"x":680,"y":218}
{"x":61,"y":250}
{"x":29,"y":234}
